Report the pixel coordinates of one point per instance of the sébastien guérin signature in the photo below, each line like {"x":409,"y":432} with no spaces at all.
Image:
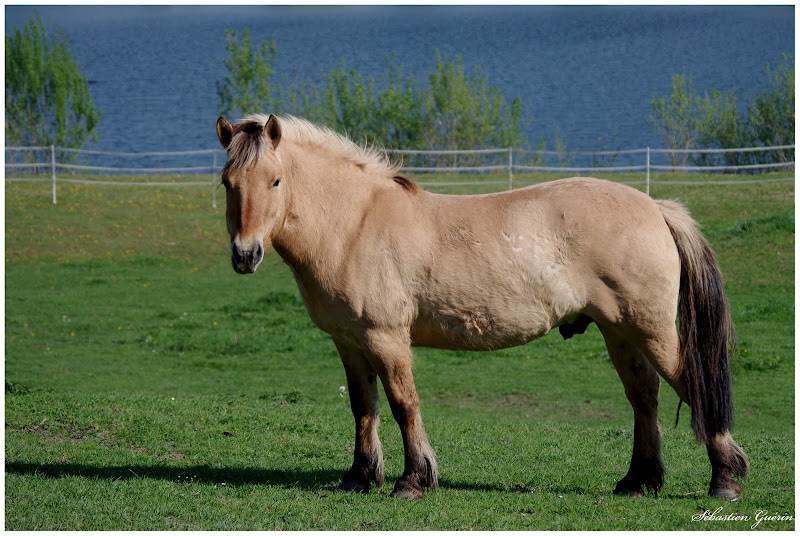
{"x":761,"y":515}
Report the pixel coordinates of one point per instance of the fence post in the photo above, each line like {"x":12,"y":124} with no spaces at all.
{"x":213,"y":174}
{"x":648,"y":171}
{"x":53,"y":169}
{"x":510,"y":168}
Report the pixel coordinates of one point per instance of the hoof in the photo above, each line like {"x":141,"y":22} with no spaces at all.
{"x":353,"y":487}
{"x":726,"y":494}
{"x":724,"y":487}
{"x":407,"y":488}
{"x":625,"y":491}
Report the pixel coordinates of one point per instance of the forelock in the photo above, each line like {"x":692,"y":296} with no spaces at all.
{"x":248,"y":142}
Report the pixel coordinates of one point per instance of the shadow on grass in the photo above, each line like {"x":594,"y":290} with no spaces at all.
{"x":231,"y":476}
{"x":314,"y":480}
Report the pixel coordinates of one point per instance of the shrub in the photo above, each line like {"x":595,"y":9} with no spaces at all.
{"x":683,"y":120}
{"x":675,"y":117}
{"x":771,"y":114}
{"x":247,"y":88}
{"x":47,"y":98}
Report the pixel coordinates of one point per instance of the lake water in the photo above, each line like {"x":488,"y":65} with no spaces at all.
{"x":589,"y":71}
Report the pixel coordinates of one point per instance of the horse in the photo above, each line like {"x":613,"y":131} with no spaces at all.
{"x":383,"y":265}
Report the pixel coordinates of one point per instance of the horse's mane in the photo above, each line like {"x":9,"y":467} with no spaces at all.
{"x":249,"y":143}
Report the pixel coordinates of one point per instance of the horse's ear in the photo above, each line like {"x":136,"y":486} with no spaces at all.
{"x":273,"y":131}
{"x":224,"y":132}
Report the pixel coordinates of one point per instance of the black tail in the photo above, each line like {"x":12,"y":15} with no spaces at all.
{"x":706,"y":330}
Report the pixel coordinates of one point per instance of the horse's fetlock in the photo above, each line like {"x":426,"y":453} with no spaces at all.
{"x":356,"y":480}
{"x":646,"y":473}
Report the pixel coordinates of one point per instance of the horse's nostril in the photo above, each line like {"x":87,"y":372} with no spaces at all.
{"x":259,"y":252}
{"x":237,"y":256}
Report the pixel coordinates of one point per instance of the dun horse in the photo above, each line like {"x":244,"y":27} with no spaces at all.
{"x":383,"y":265}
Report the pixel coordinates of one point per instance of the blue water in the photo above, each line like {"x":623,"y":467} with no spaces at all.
{"x":588,"y":71}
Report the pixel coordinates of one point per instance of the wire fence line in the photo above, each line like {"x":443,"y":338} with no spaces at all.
{"x":51,"y":160}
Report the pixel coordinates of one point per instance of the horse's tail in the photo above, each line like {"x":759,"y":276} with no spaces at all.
{"x":706,"y":333}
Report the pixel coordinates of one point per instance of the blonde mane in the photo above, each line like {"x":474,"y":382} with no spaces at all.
{"x":249,"y":143}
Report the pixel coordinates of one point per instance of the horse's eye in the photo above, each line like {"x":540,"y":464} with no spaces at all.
{"x":226,"y":184}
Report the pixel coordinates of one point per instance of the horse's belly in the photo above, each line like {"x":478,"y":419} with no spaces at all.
{"x":505,"y":296}
{"x":478,"y":328}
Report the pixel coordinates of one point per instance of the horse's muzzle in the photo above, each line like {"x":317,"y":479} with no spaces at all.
{"x":245,"y":261}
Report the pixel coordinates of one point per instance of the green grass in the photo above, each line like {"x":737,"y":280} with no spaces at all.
{"x":150,"y":387}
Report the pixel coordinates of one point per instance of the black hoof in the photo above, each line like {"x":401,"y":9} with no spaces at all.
{"x":628,"y":491}
{"x":407,"y":488}
{"x":353,"y":487}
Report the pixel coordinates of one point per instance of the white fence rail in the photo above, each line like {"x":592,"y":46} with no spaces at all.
{"x":44,"y":161}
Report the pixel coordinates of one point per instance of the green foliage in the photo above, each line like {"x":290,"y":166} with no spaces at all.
{"x":771,"y":114}
{"x":455,"y":111}
{"x":603,"y":155}
{"x":400,"y":120}
{"x":47,"y":98}
{"x":346,"y":103}
{"x":684,"y":120}
{"x":721,"y":127}
{"x":248,"y":87}
{"x":564,"y":158}
{"x":465,"y":112}
{"x":676,"y":118}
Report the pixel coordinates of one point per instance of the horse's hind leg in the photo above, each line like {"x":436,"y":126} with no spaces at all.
{"x":726,"y":457}
{"x":390,"y":355}
{"x":362,"y":384}
{"x":641,"y":384}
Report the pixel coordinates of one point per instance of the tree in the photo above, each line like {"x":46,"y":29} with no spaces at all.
{"x":454,"y":111}
{"x":248,"y":87}
{"x":675,"y":117}
{"x":683,"y":120}
{"x":771,"y":114}
{"x":468,"y":113}
{"x":47,"y":98}
{"x":721,"y":127}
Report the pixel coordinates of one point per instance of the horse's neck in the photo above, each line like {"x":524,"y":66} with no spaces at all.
{"x":325,"y":209}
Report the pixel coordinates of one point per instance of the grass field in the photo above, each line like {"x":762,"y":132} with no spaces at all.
{"x":150,"y":387}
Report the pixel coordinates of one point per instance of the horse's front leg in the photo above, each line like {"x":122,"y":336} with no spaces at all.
{"x":390,"y":355}
{"x":362,"y":385}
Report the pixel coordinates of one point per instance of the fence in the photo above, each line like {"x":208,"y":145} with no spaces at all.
{"x":50,"y":160}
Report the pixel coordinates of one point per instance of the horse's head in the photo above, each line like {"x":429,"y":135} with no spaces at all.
{"x":255,"y":192}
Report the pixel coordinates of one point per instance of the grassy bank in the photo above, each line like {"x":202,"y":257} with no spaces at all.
{"x":150,"y":387}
